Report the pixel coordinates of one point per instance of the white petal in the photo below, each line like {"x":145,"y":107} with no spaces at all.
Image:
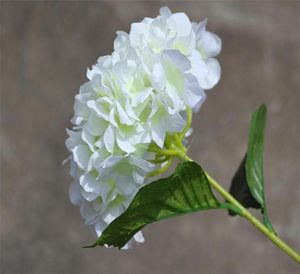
{"x":89,"y":182}
{"x":74,"y":139}
{"x":127,"y":246}
{"x":175,"y":123}
{"x":100,"y":143}
{"x":98,"y":85}
{"x":200,"y":28}
{"x":98,"y":108}
{"x":157,"y":123}
{"x":124,"y":119}
{"x":81,"y":112}
{"x":124,"y":144}
{"x":165,"y":12}
{"x":125,"y":185}
{"x":112,"y":117}
{"x":162,"y":122}
{"x":111,"y":161}
{"x":81,"y":155}
{"x":96,"y":125}
{"x":137,"y":31}
{"x":180,"y":23}
{"x":189,"y":133}
{"x":213,"y":74}
{"x":99,"y":227}
{"x":104,"y":61}
{"x":88,"y":139}
{"x":74,"y":193}
{"x":109,"y":139}
{"x":98,"y":158}
{"x":177,"y":59}
{"x":207,"y":72}
{"x":113,"y":213}
{"x":109,"y":218}
{"x":139,"y":237}
{"x":194,"y":95}
{"x":98,"y":205}
{"x":141,"y":163}
{"x":177,"y":102}
{"x":66,"y":160}
{"x":138,"y":178}
{"x":185,"y":44}
{"x":88,"y":213}
{"x":130,"y":111}
{"x":158,"y":134}
{"x":158,"y":78}
{"x":89,"y":196}
{"x":175,"y":65}
{"x":210,"y":43}
{"x":106,"y":189}
{"x":121,"y":40}
{"x":74,"y":170}
{"x":141,"y":97}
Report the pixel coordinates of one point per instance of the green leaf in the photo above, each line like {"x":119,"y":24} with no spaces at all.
{"x":254,"y":160}
{"x":247,"y":185}
{"x":186,"y":191}
{"x":240,"y":190}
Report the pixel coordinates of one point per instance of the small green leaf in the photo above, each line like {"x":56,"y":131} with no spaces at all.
{"x":186,"y":191}
{"x":239,"y":189}
{"x":254,"y":160}
{"x":247,"y":185}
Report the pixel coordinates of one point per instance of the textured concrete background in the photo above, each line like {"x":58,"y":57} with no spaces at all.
{"x":45,"y":50}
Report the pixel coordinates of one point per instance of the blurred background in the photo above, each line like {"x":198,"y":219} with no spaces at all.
{"x":46,"y":48}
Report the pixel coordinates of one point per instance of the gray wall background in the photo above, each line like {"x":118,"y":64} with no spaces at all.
{"x":45,"y":50}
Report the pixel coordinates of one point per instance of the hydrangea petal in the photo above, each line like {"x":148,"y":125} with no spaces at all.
{"x":73,"y":140}
{"x":81,"y":155}
{"x":88,"y":213}
{"x":124,"y":118}
{"x":99,"y":227}
{"x":210,"y":43}
{"x":165,"y":12}
{"x":74,"y":193}
{"x":89,"y":196}
{"x":195,"y":95}
{"x":213,"y":74}
{"x":139,"y":237}
{"x":180,"y":23}
{"x":109,"y":139}
{"x":96,"y":125}
{"x":158,"y":78}
{"x":88,"y":182}
{"x":99,"y":109}
{"x":124,"y":144}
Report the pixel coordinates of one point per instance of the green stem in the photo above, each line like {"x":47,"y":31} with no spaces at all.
{"x":178,"y":141}
{"x":189,"y":115}
{"x":161,"y":170}
{"x":252,"y":219}
{"x":164,"y":152}
{"x":160,"y":160}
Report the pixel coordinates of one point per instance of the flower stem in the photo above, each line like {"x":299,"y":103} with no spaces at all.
{"x":252,"y":219}
{"x":189,"y":115}
{"x":161,"y":170}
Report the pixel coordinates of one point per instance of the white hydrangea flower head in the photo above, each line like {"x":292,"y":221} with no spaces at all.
{"x":134,"y":99}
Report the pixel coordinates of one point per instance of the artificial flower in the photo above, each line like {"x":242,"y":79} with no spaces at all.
{"x":136,"y":98}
